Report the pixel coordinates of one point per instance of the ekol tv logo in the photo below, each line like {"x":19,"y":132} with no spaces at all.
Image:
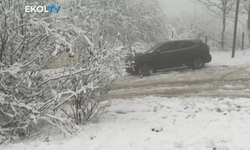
{"x":41,"y":9}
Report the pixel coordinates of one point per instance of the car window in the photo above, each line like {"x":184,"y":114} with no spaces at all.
{"x":154,"y":48}
{"x":167,"y":47}
{"x":184,"y":44}
{"x":190,"y":44}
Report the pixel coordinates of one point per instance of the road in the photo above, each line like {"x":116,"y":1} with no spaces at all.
{"x":212,"y":81}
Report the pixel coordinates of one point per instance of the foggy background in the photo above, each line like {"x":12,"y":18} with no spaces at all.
{"x":191,"y":10}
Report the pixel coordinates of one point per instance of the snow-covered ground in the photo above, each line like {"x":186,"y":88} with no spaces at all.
{"x":242,"y":57}
{"x":205,"y":120}
{"x":154,"y":123}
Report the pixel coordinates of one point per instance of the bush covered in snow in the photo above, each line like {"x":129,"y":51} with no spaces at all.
{"x":96,"y":32}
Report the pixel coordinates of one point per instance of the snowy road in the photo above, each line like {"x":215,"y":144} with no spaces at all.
{"x":212,"y":81}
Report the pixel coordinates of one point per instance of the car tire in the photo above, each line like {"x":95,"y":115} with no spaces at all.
{"x":146,"y":70}
{"x":198,"y":63}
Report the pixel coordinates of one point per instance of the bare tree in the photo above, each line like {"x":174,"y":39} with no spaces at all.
{"x":221,"y":9}
{"x":182,"y":28}
{"x":245,"y":5}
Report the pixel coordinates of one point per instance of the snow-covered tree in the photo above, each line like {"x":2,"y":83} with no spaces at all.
{"x":98,"y":31}
{"x":189,"y":29}
{"x":222,"y":10}
{"x":25,"y":38}
{"x":106,"y":30}
{"x":245,"y":5}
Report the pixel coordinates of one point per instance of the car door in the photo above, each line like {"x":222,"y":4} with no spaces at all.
{"x":164,"y":58}
{"x":183,"y":52}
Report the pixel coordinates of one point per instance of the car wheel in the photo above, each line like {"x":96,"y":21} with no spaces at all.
{"x":198,"y":63}
{"x":146,"y":70}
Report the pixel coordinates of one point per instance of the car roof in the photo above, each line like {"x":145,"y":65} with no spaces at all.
{"x":181,"y":40}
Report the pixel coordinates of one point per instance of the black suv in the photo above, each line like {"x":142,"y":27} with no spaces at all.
{"x":169,"y":55}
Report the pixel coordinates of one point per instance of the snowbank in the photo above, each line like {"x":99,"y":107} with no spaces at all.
{"x":160,"y":123}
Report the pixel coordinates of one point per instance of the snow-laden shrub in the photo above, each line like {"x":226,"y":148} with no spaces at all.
{"x":26,"y":94}
{"x":84,"y":88}
{"x":97,"y":32}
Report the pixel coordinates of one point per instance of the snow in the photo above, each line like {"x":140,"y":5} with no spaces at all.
{"x":154,"y":123}
{"x":220,"y":58}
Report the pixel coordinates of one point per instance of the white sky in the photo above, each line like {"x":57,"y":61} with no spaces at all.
{"x":178,"y":7}
{"x":186,"y":8}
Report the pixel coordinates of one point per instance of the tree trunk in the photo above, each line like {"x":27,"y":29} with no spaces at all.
{"x":3,"y":39}
{"x":224,"y":15}
{"x":1,"y":53}
{"x":223,"y":32}
{"x":248,"y":24}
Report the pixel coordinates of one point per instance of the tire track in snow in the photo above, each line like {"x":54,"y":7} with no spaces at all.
{"x":215,"y":82}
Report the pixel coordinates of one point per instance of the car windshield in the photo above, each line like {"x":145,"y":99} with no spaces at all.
{"x":154,"y":48}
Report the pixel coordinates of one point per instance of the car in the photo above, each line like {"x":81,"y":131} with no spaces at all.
{"x":168,"y":55}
